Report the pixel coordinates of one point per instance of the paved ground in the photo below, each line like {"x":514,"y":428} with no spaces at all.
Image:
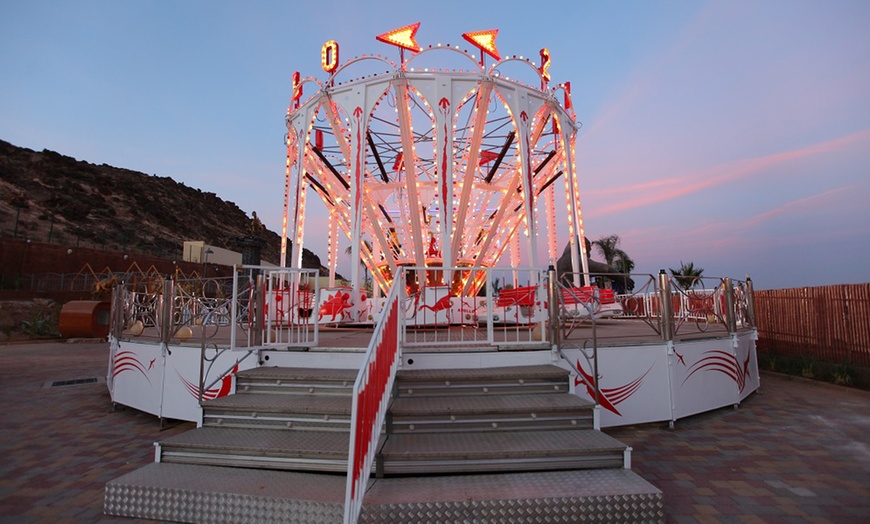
{"x":796,"y":452}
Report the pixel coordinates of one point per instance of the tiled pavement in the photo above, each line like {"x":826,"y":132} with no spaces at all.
{"x":797,"y":452}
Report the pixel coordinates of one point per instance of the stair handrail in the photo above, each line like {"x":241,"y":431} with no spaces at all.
{"x":591,"y":385}
{"x":556,"y":289}
{"x":371,"y":397}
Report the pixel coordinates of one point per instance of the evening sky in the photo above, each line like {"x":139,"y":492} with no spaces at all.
{"x":732,"y":134}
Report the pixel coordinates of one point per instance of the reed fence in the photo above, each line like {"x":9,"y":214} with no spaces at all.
{"x":828,"y":324}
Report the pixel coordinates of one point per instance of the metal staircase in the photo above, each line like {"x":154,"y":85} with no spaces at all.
{"x":496,"y":419}
{"x":515,"y":443}
{"x":279,"y":418}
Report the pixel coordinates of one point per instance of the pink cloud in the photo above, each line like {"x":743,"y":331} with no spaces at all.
{"x":725,"y":173}
{"x":809,"y":202}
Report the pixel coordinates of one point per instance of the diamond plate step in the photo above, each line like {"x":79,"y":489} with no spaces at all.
{"x":191,"y":493}
{"x":268,"y":411}
{"x":489,"y":412}
{"x":185,"y":493}
{"x":259,"y":448}
{"x":495,"y":381}
{"x":410,"y":453}
{"x":615,"y":495}
{"x":296,"y":381}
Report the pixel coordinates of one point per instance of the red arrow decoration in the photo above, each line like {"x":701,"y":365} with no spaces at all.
{"x":485,"y":41}
{"x":402,"y":37}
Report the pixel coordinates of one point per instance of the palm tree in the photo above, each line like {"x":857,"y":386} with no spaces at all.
{"x":624,"y":264}
{"x":614,"y":256}
{"x":688,"y":275}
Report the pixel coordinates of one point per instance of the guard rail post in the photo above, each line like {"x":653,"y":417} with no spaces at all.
{"x":553,"y":309}
{"x":666,"y":319}
{"x":750,"y":302}
{"x":166,"y":312}
{"x":730,"y":312}
{"x":258,"y":302}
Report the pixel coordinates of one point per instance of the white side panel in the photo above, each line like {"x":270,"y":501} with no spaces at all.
{"x":706,"y":376}
{"x":633,"y":382}
{"x":137,"y":376}
{"x":476,"y":360}
{"x":336,"y":306}
{"x":433,"y":307}
{"x":749,"y":362}
{"x":181,"y":384}
{"x":337,"y":359}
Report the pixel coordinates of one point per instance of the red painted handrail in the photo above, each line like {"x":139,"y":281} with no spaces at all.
{"x":371,"y":397}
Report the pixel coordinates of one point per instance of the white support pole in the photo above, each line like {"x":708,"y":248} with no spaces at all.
{"x":471,"y":168}
{"x":332,"y":254}
{"x":578,"y":243}
{"x":288,"y":190}
{"x":300,"y":123}
{"x":410,"y":166}
{"x":300,"y":226}
{"x":552,"y":245}
{"x":444,"y":168}
{"x":357,"y":181}
{"x":515,"y":259}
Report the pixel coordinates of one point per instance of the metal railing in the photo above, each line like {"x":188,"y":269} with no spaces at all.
{"x":509,"y":303}
{"x":371,"y":396}
{"x":257,"y":308}
{"x":669,"y":307}
{"x":566,"y":305}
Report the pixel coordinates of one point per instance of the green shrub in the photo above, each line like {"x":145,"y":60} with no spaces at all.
{"x":41,"y":324}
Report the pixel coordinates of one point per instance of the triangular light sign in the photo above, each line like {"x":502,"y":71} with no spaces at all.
{"x":402,"y":37}
{"x":485,"y":41}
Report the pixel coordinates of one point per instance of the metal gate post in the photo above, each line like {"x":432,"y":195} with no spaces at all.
{"x":730,"y":314}
{"x":166,"y":312}
{"x":666,"y":319}
{"x":257,"y":304}
{"x":553,"y":308}
{"x":750,"y":301}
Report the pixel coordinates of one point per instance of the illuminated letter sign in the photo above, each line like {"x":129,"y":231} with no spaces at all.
{"x":297,"y":87}
{"x":545,"y":65}
{"x":402,"y":37}
{"x":567,"y":86}
{"x":329,"y":56}
{"x":485,"y":41}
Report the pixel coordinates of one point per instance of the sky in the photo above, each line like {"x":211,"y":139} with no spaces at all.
{"x":731,"y":134}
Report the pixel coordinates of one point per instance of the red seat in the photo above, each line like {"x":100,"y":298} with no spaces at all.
{"x":521,"y":296}
{"x":578,"y":295}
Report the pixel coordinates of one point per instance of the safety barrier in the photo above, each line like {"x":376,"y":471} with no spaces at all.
{"x":371,"y":396}
{"x":509,"y":303}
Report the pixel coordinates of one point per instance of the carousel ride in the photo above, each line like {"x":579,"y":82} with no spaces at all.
{"x":440,"y":178}
{"x":431,"y":173}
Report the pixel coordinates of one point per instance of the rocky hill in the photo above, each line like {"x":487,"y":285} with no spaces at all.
{"x":63,"y":200}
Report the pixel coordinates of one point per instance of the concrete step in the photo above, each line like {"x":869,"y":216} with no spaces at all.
{"x":259,"y":448}
{"x":297,"y":381}
{"x":190,"y":493}
{"x":269,"y":411}
{"x":463,"y":452}
{"x":489,"y":413}
{"x":495,"y":381}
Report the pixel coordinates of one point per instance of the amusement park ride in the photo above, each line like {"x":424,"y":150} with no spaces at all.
{"x":432,"y":169}
{"x":433,"y":175}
